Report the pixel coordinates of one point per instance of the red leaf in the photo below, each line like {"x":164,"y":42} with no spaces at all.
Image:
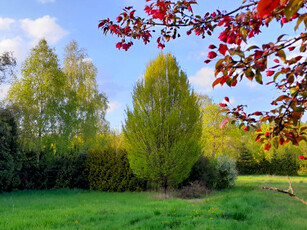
{"x":212,"y":55}
{"x":212,"y":47}
{"x":226,"y":99}
{"x":224,"y":123}
{"x":270,"y":73}
{"x":222,"y":105}
{"x":276,"y":60}
{"x":257,"y":113}
{"x":267,"y":147}
{"x":302,"y":157}
{"x":291,"y":48}
{"x":267,"y":134}
{"x":217,"y":81}
{"x":119,"y":18}
{"x":223,"y":48}
{"x":119,"y":45}
{"x":266,"y":7}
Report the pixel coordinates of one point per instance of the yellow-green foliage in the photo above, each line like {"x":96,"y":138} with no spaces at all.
{"x":163,"y":129}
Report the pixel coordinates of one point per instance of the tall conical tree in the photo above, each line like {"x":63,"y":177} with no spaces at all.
{"x":163,"y":129}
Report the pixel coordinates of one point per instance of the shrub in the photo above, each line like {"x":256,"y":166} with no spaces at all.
{"x":71,"y":171}
{"x":195,"y":190}
{"x":284,"y":163}
{"x":9,"y":164}
{"x":203,"y":171}
{"x":109,"y":170}
{"x":31,"y":173}
{"x":53,"y":171}
{"x":226,"y":172}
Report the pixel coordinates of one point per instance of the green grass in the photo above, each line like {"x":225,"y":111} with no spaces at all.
{"x":246,"y":206}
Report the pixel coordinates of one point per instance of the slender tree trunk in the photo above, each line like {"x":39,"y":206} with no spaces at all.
{"x":165,"y":185}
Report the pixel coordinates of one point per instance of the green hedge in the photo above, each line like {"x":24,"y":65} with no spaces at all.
{"x":109,"y":170}
{"x":283,"y":163}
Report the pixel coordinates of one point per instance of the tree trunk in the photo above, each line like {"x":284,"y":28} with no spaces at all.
{"x":165,"y":185}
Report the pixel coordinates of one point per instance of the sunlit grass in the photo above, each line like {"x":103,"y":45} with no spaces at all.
{"x":246,"y":206}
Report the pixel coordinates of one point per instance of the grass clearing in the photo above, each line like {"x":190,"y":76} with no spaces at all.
{"x":246,"y":206}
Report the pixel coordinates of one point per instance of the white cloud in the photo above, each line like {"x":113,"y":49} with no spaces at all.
{"x":113,"y":106}
{"x":45,"y":1}
{"x":87,"y":60}
{"x":5,"y":23}
{"x":15,"y":45}
{"x":44,"y":27}
{"x":203,"y":79}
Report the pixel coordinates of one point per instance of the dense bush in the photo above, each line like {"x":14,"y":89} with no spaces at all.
{"x":284,"y":164}
{"x":68,"y":171}
{"x":217,"y":173}
{"x":203,"y":171}
{"x":194,"y":190}
{"x":53,"y":171}
{"x":32,"y":173}
{"x":9,"y":164}
{"x":109,"y":170}
{"x":226,"y":172}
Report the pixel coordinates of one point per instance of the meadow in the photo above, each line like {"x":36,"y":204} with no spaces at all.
{"x":246,"y":206}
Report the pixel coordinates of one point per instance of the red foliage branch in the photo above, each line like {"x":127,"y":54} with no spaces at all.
{"x":235,"y":63}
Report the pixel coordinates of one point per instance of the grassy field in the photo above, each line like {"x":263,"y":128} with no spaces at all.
{"x":246,"y":206}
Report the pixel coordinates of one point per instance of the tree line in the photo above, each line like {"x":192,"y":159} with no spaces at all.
{"x":54,"y":133}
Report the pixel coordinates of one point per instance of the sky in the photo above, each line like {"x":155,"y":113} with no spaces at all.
{"x":24,"y":22}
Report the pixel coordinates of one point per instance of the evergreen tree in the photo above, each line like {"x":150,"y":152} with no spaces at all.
{"x":9,"y":164}
{"x":163,"y":129}
{"x":245,"y":163}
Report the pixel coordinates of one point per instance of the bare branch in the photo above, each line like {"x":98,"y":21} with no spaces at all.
{"x":290,"y":191}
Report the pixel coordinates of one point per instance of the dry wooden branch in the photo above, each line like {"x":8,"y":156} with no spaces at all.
{"x":290,"y":192}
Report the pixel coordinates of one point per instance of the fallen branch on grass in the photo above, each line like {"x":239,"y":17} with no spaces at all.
{"x":290,"y":191}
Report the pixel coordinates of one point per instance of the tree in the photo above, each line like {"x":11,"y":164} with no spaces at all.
{"x":9,"y":164}
{"x":236,"y":62}
{"x":218,"y":137}
{"x":163,"y":129}
{"x":58,"y":110}
{"x":7,"y":64}
{"x":38,"y":97}
{"x":85,"y":108}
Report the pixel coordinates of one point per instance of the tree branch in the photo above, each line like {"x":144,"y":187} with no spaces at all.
{"x":290,"y":191}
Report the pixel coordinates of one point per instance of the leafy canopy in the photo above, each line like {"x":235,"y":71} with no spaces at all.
{"x":163,"y":129}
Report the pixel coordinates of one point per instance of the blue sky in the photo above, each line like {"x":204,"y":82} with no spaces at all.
{"x":24,"y":22}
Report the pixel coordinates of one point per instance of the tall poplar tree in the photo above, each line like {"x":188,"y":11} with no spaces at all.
{"x":163,"y":129}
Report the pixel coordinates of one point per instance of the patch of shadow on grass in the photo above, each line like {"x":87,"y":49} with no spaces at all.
{"x":239,"y":216}
{"x":172,"y":224}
